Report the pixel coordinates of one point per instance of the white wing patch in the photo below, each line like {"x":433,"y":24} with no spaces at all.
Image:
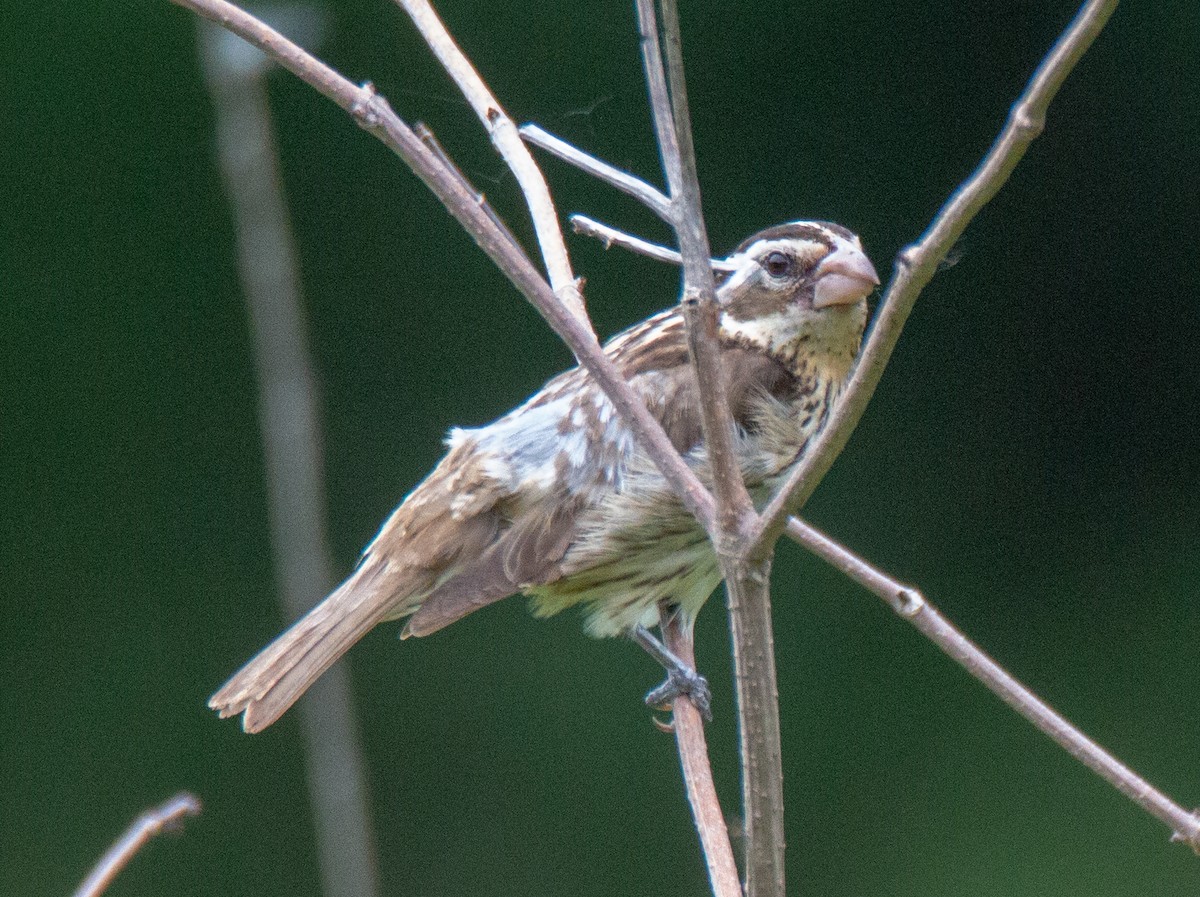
{"x":575,"y":441}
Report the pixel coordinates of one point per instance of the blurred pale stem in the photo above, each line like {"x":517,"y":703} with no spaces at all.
{"x":289,"y":422}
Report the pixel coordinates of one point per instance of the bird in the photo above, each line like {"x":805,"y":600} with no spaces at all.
{"x":557,"y":501}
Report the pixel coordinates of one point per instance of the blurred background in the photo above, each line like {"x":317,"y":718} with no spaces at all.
{"x":1031,"y":461}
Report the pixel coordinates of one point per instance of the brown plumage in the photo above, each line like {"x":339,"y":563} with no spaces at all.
{"x":556,"y":501}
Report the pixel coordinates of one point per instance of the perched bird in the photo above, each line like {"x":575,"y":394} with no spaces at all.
{"x":556,"y":500}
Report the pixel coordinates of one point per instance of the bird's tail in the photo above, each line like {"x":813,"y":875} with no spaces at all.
{"x":275,"y":679}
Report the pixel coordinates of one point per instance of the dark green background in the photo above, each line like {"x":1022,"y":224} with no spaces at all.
{"x":1031,"y":460}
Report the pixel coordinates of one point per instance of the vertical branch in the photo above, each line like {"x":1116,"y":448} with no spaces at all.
{"x":747,"y":581}
{"x":288,"y":418}
{"x":697,"y":772}
{"x":672,"y":126}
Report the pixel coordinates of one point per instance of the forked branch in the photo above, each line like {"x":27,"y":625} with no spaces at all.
{"x":914,"y":269}
{"x":508,"y":143}
{"x":373,"y":113}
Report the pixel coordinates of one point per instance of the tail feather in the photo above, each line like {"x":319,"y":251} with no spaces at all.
{"x":275,"y":679}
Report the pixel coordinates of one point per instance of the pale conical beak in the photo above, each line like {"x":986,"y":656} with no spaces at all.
{"x":844,"y":277}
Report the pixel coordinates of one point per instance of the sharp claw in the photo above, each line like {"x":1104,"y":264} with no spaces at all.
{"x":680,"y":683}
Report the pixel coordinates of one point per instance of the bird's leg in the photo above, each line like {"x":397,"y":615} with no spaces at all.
{"x":682,"y":679}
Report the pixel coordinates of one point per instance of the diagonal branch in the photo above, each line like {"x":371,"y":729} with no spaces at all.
{"x":428,"y":138}
{"x":163,"y":818}
{"x":610,"y":237}
{"x":508,"y":143}
{"x":913,"y":607}
{"x":373,"y":113}
{"x":917,"y":264}
{"x":649,"y":196}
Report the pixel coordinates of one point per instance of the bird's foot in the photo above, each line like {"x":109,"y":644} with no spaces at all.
{"x":683,"y":682}
{"x":682,"y":679}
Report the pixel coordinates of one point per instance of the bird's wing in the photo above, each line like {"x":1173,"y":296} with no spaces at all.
{"x":561,"y":454}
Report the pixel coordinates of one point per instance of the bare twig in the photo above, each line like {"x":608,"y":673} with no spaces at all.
{"x":668,"y":99}
{"x":164,"y":818}
{"x":747,"y":579}
{"x":656,"y":201}
{"x":373,"y":113}
{"x":508,"y":143}
{"x":289,"y":420}
{"x":697,"y":773}
{"x":610,"y":237}
{"x":917,"y":264}
{"x":428,"y":138}
{"x":699,"y":301}
{"x":916,"y":609}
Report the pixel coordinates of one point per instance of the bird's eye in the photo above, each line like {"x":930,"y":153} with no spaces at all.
{"x":778,"y":264}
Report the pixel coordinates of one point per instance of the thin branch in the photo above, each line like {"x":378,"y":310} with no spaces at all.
{"x":916,"y":609}
{"x":507,"y":141}
{"x":747,"y":579}
{"x":917,"y":264}
{"x":610,"y":236}
{"x":673,"y":133}
{"x":167,"y":817}
{"x":373,"y":113}
{"x":668,"y":99}
{"x":289,"y":421}
{"x":651,"y":197}
{"x":428,"y":138}
{"x":697,"y":773}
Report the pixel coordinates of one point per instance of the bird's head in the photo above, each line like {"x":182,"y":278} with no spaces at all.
{"x":798,"y":291}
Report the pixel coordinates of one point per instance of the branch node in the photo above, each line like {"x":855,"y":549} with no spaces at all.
{"x":1028,"y":124}
{"x":1192,"y":840}
{"x":909,"y":257}
{"x":909,"y":602}
{"x":167,"y":817}
{"x":363,"y":106}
